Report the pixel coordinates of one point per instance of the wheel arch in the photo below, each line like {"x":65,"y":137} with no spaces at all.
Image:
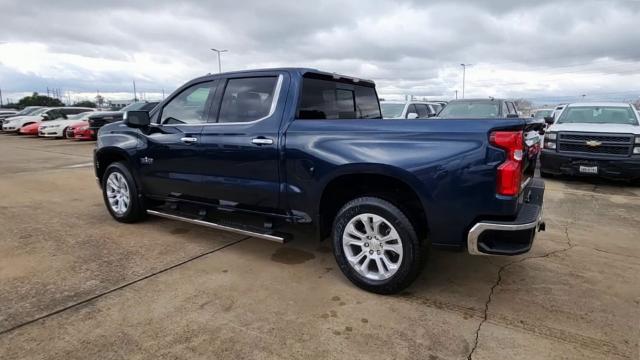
{"x":395,"y":185}
{"x":108,"y":155}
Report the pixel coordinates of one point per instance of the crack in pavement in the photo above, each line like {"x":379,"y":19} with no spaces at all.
{"x":498,"y":281}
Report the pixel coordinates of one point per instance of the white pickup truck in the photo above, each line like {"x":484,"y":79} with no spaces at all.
{"x":600,"y":139}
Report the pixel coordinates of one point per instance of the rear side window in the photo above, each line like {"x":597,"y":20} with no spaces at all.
{"x":326,"y":99}
{"x":247,"y":99}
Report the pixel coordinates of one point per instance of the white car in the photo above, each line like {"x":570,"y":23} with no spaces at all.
{"x":58,"y":128}
{"x":593,"y":139}
{"x":14,"y":124}
{"x":406,"y":110}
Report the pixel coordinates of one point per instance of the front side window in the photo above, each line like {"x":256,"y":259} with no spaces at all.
{"x":327,"y":99}
{"x":247,"y":99}
{"x":190,"y":106}
{"x":411,"y":109}
{"x":598,"y":115}
{"x":423,"y":111}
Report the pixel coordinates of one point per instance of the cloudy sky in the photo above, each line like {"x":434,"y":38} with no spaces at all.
{"x":547,"y":51}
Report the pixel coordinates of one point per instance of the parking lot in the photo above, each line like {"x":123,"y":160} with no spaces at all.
{"x":77,"y":285}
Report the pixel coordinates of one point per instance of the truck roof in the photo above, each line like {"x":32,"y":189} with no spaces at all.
{"x":610,"y":104}
{"x":298,"y":70}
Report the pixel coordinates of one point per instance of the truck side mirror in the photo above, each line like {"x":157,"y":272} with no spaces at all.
{"x":45,"y":117}
{"x":548,"y":120}
{"x":412,"y":115}
{"x":136,"y":118}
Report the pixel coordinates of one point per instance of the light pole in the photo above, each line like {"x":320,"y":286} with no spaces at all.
{"x":219,"y":62}
{"x":464,"y":73}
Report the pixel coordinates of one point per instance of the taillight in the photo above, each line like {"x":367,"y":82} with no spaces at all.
{"x":509,"y":173}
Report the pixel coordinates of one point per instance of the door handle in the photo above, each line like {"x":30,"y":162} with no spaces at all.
{"x":189,"y":140}
{"x":262,"y":141}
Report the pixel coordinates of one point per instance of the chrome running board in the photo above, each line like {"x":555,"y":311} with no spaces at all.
{"x":212,"y":225}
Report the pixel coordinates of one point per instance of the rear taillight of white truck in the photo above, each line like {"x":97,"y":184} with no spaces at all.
{"x":509,"y":174}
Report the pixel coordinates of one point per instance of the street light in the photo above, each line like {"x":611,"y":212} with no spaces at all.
{"x":464,"y":72}
{"x":219,"y":62}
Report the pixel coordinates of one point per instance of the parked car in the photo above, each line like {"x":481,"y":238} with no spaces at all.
{"x":107,"y":117}
{"x":14,"y":124}
{"x":601,"y":139}
{"x":58,"y":128}
{"x":80,"y":131}
{"x":406,"y":110}
{"x":489,"y":108}
{"x":259,"y":152}
{"x":5,"y":113}
{"x":30,"y":129}
{"x":26,"y":111}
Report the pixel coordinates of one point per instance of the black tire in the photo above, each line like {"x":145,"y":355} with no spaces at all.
{"x":414,"y":251}
{"x":136,"y":210}
{"x":64,"y":133}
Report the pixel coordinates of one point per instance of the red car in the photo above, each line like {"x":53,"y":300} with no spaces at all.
{"x":31,"y":129}
{"x":80,"y":131}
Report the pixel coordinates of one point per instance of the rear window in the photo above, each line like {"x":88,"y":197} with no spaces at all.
{"x":327,"y":99}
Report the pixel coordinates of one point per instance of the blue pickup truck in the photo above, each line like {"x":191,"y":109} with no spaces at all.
{"x":266,"y":153}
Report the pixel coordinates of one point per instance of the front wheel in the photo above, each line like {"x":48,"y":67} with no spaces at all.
{"x":376,"y":245}
{"x":121,"y":194}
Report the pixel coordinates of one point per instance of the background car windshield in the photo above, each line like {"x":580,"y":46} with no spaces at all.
{"x":38,"y":111}
{"x":598,"y":115}
{"x":470,"y":109}
{"x":27,"y":111}
{"x":391,"y":110}
{"x":542,"y":113}
{"x":134,"y":106}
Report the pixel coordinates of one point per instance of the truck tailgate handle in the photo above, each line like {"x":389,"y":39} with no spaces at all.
{"x":262,"y":141}
{"x":189,"y":140}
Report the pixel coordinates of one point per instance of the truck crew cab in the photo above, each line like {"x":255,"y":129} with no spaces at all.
{"x":257,"y":152}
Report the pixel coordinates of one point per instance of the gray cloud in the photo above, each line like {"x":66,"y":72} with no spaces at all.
{"x":406,"y":46}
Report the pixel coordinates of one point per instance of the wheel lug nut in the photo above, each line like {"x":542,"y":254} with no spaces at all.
{"x":378,"y":252}
{"x":370,"y":252}
{"x":366,"y":244}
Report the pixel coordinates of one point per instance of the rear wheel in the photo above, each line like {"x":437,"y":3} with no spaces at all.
{"x":376,"y":245}
{"x":121,"y":194}
{"x":64,"y":133}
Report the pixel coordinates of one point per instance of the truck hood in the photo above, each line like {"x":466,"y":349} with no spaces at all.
{"x":601,"y":128}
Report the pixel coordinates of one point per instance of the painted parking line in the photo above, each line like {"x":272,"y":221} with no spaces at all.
{"x":79,"y":165}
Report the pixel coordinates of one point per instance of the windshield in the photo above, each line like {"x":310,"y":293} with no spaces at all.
{"x":541,"y":114}
{"x":38,"y":111}
{"x":27,"y":111}
{"x":470,"y":109}
{"x":598,"y":115}
{"x":391,"y":110}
